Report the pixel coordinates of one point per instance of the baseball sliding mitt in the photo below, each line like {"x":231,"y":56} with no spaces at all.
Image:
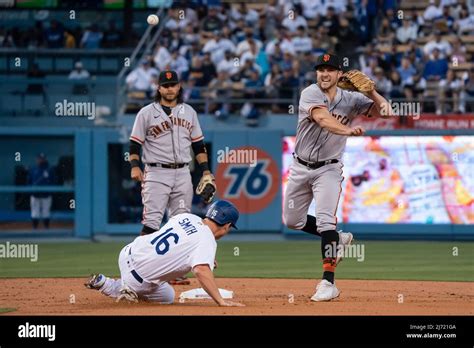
{"x":206,"y":188}
{"x":355,"y":80}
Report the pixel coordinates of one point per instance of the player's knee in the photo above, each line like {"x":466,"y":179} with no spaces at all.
{"x":293,"y":222}
{"x":167,"y":294}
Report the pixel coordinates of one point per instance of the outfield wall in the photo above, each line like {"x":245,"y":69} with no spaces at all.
{"x":101,"y":182}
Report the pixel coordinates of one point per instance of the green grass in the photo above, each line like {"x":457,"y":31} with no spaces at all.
{"x":295,"y":259}
{"x":6,"y":310}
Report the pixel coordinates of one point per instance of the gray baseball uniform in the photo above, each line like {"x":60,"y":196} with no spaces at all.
{"x":315,"y":144}
{"x":166,"y":140}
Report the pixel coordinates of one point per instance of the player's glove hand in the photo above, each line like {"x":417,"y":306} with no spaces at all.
{"x":207,"y":188}
{"x":355,"y":80}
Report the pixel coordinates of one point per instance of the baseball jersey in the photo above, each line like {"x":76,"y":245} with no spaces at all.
{"x":182,"y":243}
{"x":166,"y":139}
{"x":314,"y":143}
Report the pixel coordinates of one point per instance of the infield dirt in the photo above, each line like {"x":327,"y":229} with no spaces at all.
{"x":68,"y":296}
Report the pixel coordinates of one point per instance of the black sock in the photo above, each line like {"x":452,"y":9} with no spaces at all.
{"x":46,"y":223}
{"x":310,"y":226}
{"x":35,"y":223}
{"x":329,"y":241}
{"x":329,"y":276}
{"x":146,"y":230}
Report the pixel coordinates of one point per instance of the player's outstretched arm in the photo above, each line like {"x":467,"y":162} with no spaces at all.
{"x":381,"y":107}
{"x":326,"y":121}
{"x":205,"y":276}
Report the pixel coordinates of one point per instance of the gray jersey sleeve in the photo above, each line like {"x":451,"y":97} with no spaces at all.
{"x":139,"y":127}
{"x":196,"y":133}
{"x":310,"y":99}
{"x":362,"y":104}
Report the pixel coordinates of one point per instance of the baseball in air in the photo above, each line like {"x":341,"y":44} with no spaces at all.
{"x":153,"y":19}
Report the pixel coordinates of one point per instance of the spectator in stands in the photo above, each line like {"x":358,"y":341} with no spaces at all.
{"x":245,"y":45}
{"x":442,"y":45}
{"x":312,"y":8}
{"x":348,"y":40}
{"x":112,"y":36}
{"x":140,"y":79}
{"x":414,"y":53}
{"x":301,"y":41}
{"x":175,"y":42}
{"x":283,"y":41}
{"x":211,"y":22}
{"x":458,"y":53}
{"x":306,"y":66}
{"x":196,"y":72}
{"x":217,"y":45}
{"x":271,"y":86}
{"x":40,"y":202}
{"x":436,"y":68}
{"x":208,"y":68}
{"x":288,"y":62}
{"x":162,"y":56}
{"x":69,"y":39}
{"x":385,"y":33}
{"x":408,"y":31}
{"x":433,"y":11}
{"x":228,"y":64}
{"x":397,"y":90}
{"x":407,"y":72}
{"x":6,"y":39}
{"x":92,"y":37}
{"x":465,"y":24}
{"x":246,"y":70}
{"x":241,"y":11}
{"x":295,"y":20}
{"x":35,"y":73}
{"x":277,"y":56}
{"x":370,"y":69}
{"x":468,"y":90}
{"x":176,"y":22}
{"x":446,"y":18}
{"x":78,"y":73}
{"x":287,"y":84}
{"x":251,"y":53}
{"x":393,"y":19}
{"x":220,"y":88}
{"x":384,"y":86}
{"x":330,"y":21}
{"x":54,"y":35}
{"x":451,"y":87}
{"x":179,"y":64}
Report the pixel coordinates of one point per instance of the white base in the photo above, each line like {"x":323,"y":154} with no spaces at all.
{"x":199,"y":293}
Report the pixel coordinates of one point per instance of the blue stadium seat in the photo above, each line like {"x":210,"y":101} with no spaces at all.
{"x":10,"y":104}
{"x":23,"y":65}
{"x":34,"y":103}
{"x":109,"y":64}
{"x":89,"y":64}
{"x":64,"y":64}
{"x":45,"y":63}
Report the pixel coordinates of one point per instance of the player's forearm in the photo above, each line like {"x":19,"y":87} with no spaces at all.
{"x":203,"y":160}
{"x":381,"y":107}
{"x":133,"y":157}
{"x":331,"y":124}
{"x":206,"y":279}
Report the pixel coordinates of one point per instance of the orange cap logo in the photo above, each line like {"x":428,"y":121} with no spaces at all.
{"x":168,"y":75}
{"x":326,"y":57}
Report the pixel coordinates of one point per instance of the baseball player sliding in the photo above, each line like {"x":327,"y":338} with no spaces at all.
{"x":325,"y":113}
{"x":185,"y":243}
{"x":165,"y":131}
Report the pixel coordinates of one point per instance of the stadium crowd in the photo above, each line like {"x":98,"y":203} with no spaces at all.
{"x":268,"y":52}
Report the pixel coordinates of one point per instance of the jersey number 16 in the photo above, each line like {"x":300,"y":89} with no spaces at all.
{"x":162,"y":244}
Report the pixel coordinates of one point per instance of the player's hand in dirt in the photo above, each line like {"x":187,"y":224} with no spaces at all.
{"x":357,"y":131}
{"x":226,"y":303}
{"x":137,"y":174}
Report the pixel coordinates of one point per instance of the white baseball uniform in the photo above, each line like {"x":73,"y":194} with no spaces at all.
{"x":150,"y":261}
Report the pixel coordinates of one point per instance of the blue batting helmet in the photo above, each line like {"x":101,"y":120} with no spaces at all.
{"x":223,"y":212}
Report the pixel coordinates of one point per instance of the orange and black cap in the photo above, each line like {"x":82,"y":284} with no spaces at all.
{"x":328,"y":59}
